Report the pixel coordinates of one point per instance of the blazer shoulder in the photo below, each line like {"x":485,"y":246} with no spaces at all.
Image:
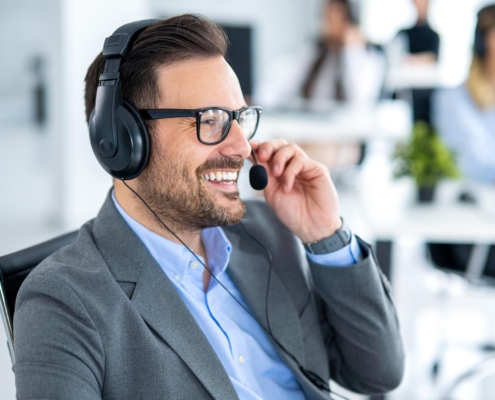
{"x":74,"y":262}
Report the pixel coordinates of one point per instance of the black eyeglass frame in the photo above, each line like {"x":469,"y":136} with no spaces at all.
{"x":162,"y":113}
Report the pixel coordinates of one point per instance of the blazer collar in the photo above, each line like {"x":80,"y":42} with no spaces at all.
{"x":164,"y":311}
{"x":157,"y":300}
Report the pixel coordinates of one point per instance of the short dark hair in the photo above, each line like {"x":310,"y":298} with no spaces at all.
{"x":181,"y":38}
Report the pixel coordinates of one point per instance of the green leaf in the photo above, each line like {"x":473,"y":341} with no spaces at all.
{"x":425,"y":157}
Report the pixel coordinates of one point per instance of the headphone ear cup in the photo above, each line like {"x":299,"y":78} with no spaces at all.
{"x":479,"y":44}
{"x":133,"y":149}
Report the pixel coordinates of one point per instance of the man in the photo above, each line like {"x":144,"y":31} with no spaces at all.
{"x":128,"y":312}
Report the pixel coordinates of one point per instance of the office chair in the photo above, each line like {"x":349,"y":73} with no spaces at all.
{"x":475,"y":264}
{"x":14,"y":268}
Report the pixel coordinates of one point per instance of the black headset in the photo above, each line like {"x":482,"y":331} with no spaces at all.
{"x":118,"y":134}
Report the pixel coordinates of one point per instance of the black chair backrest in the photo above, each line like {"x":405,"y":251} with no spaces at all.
{"x":15,"y":267}
{"x":455,"y":258}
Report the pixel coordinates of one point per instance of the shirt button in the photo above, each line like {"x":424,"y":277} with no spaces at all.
{"x":177,"y":277}
{"x":242,"y":360}
{"x":194,"y":264}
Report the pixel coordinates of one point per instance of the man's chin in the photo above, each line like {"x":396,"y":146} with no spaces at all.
{"x":232,"y":205}
{"x":227,"y":208}
{"x":220,"y":195}
{"x":231,"y":195}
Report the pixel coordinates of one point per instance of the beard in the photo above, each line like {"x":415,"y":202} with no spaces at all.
{"x":183,"y":200}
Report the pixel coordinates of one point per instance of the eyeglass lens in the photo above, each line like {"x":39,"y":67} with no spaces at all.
{"x":214,"y":123}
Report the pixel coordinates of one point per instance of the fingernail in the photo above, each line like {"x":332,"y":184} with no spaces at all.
{"x":286,"y":187}
{"x":276,"y":168}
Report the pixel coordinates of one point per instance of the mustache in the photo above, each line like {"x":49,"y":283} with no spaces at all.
{"x":220,"y":163}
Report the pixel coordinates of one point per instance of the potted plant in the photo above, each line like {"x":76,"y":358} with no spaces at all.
{"x":426,"y":159}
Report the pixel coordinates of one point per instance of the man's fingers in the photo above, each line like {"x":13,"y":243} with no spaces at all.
{"x":277,"y":154}
{"x":292,"y":170}
{"x":265,"y":151}
{"x":282,"y":156}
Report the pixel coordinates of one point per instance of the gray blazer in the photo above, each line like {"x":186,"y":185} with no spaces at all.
{"x":100,"y":320}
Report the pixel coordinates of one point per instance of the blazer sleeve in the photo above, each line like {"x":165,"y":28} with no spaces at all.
{"x":59,"y":353}
{"x":359,"y":324}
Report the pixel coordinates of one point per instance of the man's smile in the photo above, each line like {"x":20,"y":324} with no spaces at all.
{"x":223,"y":179}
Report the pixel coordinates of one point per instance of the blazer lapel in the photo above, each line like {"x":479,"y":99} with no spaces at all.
{"x":248,"y":269}
{"x":164,"y":311}
{"x":157,"y":300}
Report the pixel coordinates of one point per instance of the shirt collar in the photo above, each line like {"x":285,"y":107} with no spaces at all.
{"x":173,"y":257}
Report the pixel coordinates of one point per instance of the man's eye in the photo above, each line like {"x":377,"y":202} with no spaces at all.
{"x":208,"y":122}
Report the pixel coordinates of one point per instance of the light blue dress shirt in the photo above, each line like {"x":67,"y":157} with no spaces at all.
{"x":468,"y":131}
{"x":244,"y":349}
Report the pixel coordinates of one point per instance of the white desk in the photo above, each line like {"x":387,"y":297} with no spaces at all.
{"x":390,"y":119}
{"x":406,"y":76}
{"x":452,"y":223}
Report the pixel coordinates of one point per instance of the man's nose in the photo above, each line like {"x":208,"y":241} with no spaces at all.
{"x":236,"y":142}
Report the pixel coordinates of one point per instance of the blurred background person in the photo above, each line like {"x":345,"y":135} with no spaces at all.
{"x":465,"y":116}
{"x":341,"y":66}
{"x":423,"y":41}
{"x":420,"y":50}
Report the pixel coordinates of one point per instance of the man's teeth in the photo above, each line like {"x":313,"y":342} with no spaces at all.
{"x":219,"y":176}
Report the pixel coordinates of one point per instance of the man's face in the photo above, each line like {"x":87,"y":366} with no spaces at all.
{"x":173,"y":183}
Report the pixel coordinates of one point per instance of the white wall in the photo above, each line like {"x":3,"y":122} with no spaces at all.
{"x":58,"y":169}
{"x":281,"y":26}
{"x":28,"y":28}
{"x":84,"y":184}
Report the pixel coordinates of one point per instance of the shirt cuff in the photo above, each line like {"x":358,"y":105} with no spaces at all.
{"x":344,"y":257}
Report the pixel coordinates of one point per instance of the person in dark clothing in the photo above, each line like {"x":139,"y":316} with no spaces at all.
{"x":424,"y":42}
{"x":424,"y":45}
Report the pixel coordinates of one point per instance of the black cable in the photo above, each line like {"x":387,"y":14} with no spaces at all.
{"x":312,"y":377}
{"x":269,"y":276}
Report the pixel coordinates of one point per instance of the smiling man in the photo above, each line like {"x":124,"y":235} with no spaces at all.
{"x":180,"y":290}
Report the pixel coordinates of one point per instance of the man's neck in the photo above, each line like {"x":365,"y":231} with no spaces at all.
{"x":140,"y":213}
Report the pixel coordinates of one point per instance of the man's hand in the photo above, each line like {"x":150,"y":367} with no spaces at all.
{"x":299,"y":190}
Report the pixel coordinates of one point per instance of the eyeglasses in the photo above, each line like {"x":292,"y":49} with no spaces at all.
{"x":213,"y":123}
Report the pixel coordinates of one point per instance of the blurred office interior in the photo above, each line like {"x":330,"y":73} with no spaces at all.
{"x":51,"y":182}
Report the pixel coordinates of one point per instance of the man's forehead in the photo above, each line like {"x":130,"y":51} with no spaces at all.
{"x":199,"y":83}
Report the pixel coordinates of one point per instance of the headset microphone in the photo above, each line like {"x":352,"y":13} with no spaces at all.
{"x":258,"y":178}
